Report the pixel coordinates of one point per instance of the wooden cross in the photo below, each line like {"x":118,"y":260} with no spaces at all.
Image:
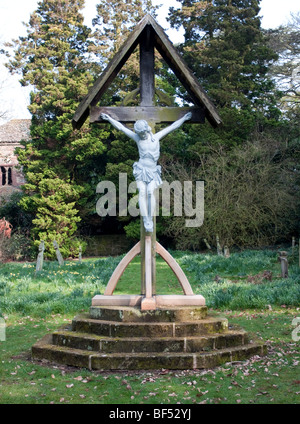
{"x":149,"y":35}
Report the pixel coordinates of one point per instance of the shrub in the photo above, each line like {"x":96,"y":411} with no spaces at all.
{"x":14,"y":213}
{"x":250,"y":196}
{"x":17,"y":247}
{"x":52,"y":201}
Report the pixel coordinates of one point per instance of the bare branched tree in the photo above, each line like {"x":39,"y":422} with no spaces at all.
{"x":4,"y":109}
{"x":250,"y":196}
{"x":4,"y":112}
{"x":285,"y":40}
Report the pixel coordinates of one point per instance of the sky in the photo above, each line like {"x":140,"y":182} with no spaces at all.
{"x":15,"y":99}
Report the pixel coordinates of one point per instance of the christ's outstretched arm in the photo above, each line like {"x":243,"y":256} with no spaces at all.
{"x":173,"y":126}
{"x":119,"y":126}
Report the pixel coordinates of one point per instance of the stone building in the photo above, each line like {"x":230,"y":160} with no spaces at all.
{"x":11,"y":134}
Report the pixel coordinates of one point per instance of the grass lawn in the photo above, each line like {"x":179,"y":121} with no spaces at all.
{"x":33,"y":305}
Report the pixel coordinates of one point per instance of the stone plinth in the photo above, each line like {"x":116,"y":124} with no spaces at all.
{"x":123,"y":338}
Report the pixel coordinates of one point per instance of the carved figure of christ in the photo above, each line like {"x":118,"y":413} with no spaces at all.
{"x":146,"y":171}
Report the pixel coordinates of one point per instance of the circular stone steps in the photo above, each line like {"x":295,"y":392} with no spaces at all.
{"x":190,"y":344}
{"x":84,"y":324}
{"x":120,"y":338}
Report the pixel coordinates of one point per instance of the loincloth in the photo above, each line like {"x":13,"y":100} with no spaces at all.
{"x":147,"y":173}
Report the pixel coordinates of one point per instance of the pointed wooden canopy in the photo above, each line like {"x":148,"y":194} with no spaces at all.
{"x":148,"y":29}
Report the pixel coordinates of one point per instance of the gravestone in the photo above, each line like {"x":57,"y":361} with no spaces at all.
{"x":219,"y":248}
{"x":58,"y":254}
{"x":2,"y":330}
{"x":80,"y":255}
{"x":40,"y":257}
{"x":282,"y":258}
{"x":226,"y":252}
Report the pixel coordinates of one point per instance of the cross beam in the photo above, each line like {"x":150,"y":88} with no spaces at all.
{"x":146,"y":110}
{"x":155,"y":114}
{"x":147,"y":35}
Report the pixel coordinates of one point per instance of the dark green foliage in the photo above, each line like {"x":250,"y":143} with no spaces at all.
{"x":55,"y":213}
{"x":11,"y":210}
{"x":225,"y":46}
{"x":228,"y":52}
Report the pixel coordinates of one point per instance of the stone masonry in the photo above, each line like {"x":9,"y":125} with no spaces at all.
{"x":11,"y":134}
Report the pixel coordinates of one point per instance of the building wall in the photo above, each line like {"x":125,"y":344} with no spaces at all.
{"x":11,"y":134}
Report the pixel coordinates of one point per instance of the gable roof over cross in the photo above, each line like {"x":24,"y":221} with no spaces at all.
{"x":149,"y":35}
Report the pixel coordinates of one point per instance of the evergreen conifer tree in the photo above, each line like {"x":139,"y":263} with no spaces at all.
{"x":58,"y":162}
{"x":228,"y":52}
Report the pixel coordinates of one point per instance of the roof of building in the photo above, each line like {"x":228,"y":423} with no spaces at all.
{"x":15,"y":130}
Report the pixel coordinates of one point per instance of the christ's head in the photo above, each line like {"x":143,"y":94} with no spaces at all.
{"x":142,"y":129}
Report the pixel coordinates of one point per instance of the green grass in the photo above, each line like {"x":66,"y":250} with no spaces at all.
{"x":238,"y":282}
{"x":33,"y":305}
{"x":233,"y":283}
{"x":272,"y":379}
{"x":166,"y":283}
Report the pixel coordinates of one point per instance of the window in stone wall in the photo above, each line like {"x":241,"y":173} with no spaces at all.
{"x":6,"y":176}
{"x":9,"y":176}
{"x":3,"y":176}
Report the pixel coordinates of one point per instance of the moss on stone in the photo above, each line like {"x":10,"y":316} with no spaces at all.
{"x":194,"y":341}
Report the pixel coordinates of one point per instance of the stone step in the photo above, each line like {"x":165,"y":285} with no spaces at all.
{"x":134,"y":314}
{"x":84,"y":324}
{"x":143,"y":344}
{"x":137,"y":361}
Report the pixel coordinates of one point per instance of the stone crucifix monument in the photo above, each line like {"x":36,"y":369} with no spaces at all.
{"x":148,"y":35}
{"x":146,"y":330}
